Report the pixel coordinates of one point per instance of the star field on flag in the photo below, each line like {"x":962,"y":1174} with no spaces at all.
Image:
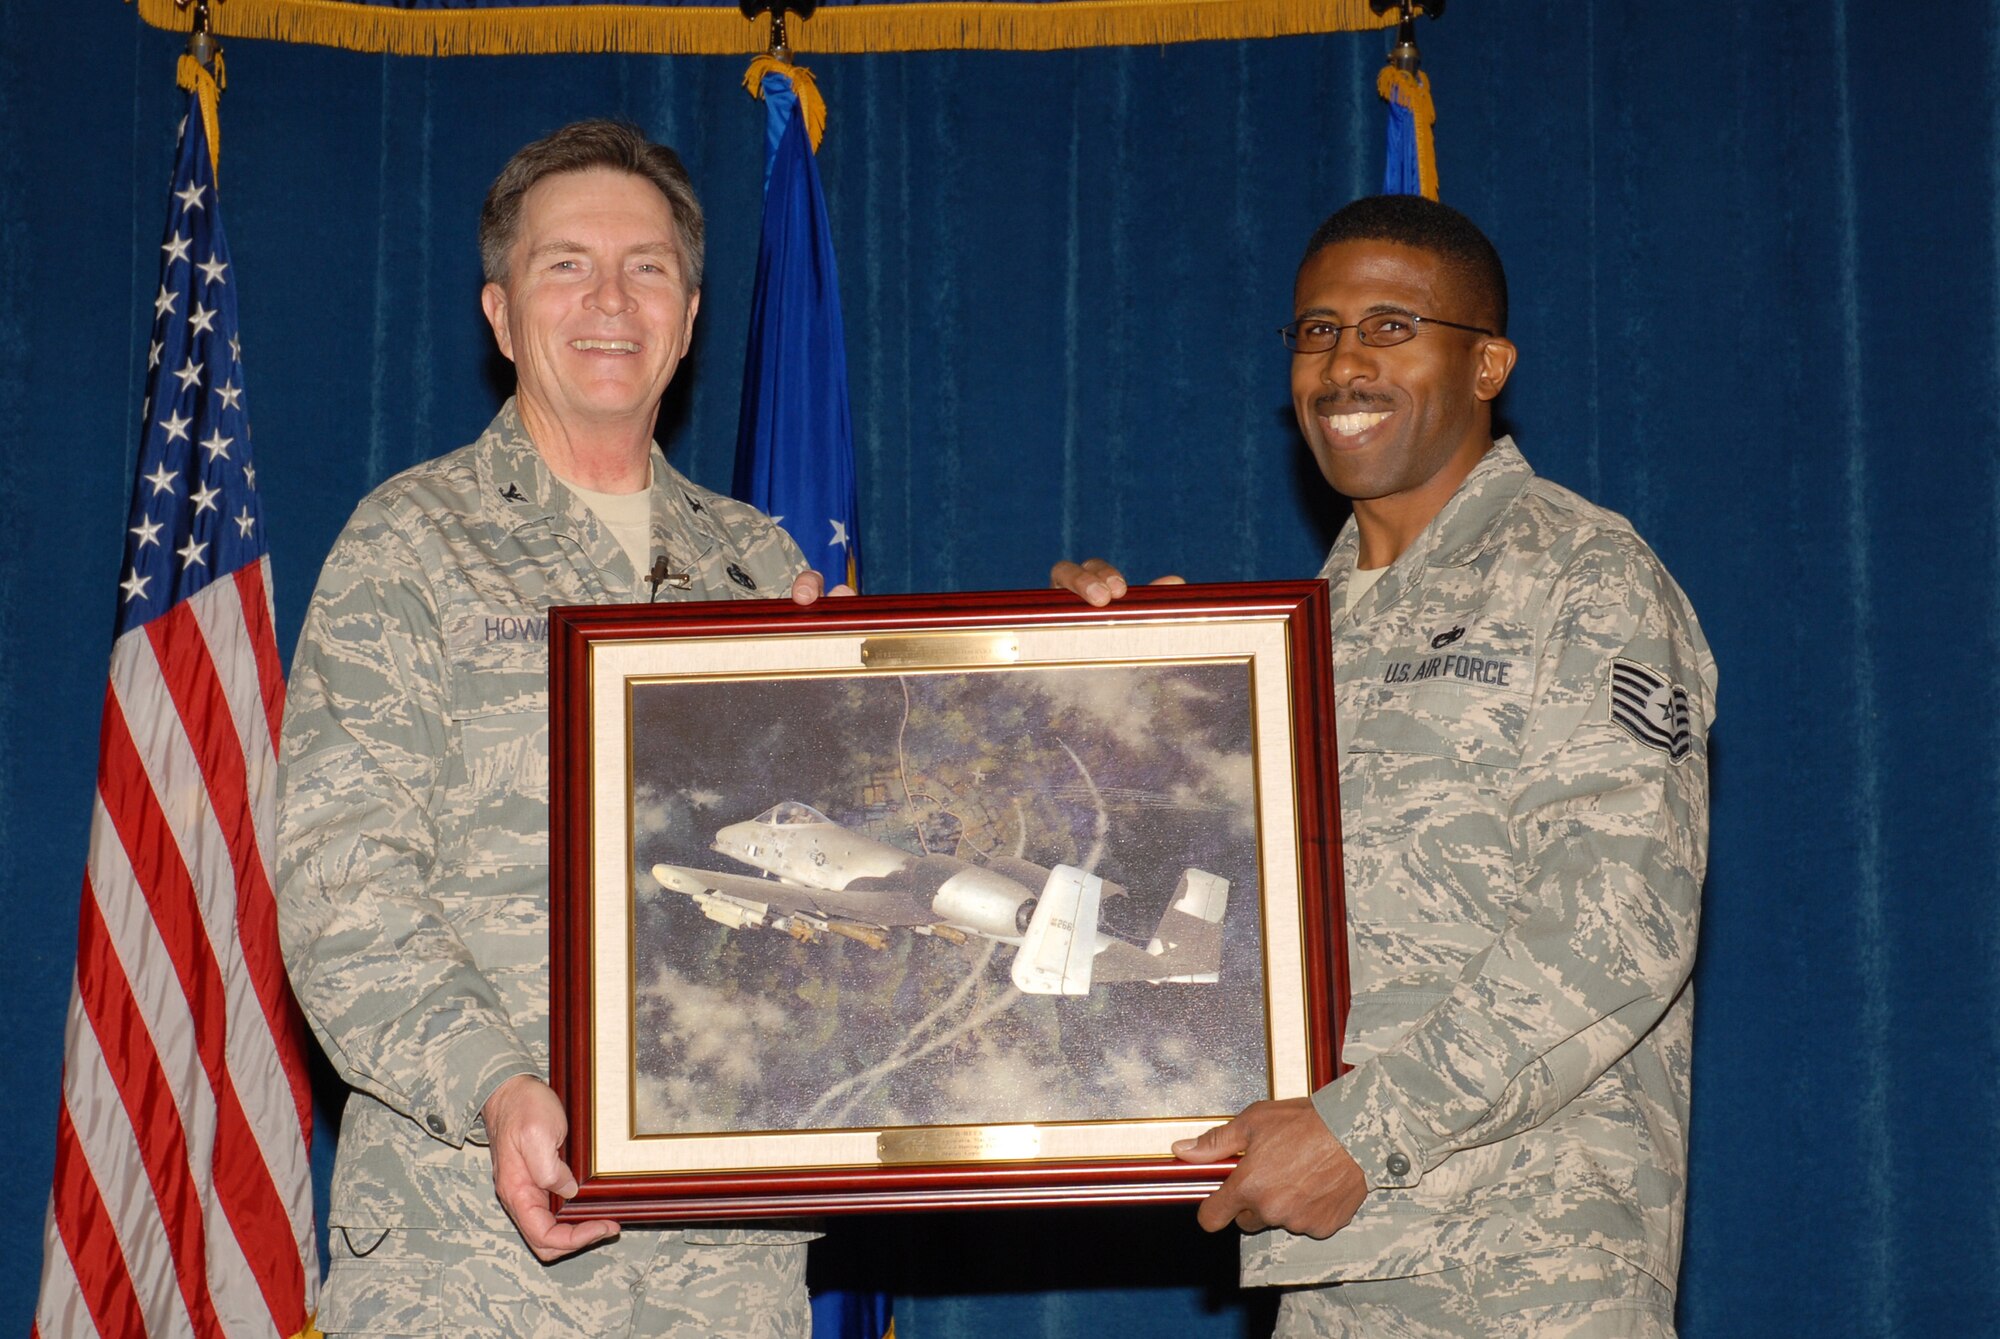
{"x":199,"y":518}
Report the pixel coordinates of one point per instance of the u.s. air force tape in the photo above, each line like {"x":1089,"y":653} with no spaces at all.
{"x":1651,"y":710}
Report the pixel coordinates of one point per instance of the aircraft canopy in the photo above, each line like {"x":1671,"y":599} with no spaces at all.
{"x":791,"y":814}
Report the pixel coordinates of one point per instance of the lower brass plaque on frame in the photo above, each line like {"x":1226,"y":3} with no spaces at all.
{"x":984,"y":1143}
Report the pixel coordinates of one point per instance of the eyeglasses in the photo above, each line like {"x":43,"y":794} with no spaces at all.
{"x":1383,"y":330}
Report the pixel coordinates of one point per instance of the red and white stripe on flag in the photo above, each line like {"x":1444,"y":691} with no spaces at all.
{"x":182,"y":1202}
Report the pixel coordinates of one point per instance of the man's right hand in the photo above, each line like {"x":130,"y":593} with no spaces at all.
{"x":525,"y":1126}
{"x":1097,"y":581}
{"x":810,"y":586}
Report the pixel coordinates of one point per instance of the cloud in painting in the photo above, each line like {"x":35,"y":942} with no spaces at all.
{"x":1106,"y":694}
{"x":1144,"y":1080}
{"x":713,"y":1041}
{"x":1174,"y":1079}
{"x":1002,"y":1085}
{"x":656,"y":813}
{"x":1220,"y":780}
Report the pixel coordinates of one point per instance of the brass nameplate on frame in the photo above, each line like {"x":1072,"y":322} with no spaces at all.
{"x":978,"y":1143}
{"x":928,"y":649}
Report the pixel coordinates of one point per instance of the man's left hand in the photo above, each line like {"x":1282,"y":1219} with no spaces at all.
{"x":810,"y":585}
{"x":1294,"y":1174}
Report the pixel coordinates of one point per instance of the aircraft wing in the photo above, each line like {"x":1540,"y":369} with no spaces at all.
{"x":709,"y":883}
{"x":747,"y":899}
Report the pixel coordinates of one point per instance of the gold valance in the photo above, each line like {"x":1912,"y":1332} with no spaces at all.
{"x":682,"y":27}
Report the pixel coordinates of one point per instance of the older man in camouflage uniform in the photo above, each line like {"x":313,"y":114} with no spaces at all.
{"x":1522,"y":699}
{"x":413,"y":843}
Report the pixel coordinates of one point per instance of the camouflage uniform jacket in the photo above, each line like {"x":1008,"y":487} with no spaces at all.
{"x":414,"y":825}
{"x":1522,"y":706}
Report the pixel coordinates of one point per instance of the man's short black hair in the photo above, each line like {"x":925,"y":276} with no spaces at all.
{"x":1411,"y":220}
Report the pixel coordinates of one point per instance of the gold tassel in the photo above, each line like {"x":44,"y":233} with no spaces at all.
{"x":722,"y":30}
{"x":207,"y":89}
{"x":1414,"y":92}
{"x":810,"y":102}
{"x":311,"y":1331}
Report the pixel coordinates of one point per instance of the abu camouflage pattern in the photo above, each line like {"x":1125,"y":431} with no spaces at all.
{"x":413,"y":828}
{"x":1569,"y":1294}
{"x":1523,"y":879}
{"x":471,"y":1285}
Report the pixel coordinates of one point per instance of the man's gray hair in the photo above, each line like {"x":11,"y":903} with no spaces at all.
{"x":579,"y":147}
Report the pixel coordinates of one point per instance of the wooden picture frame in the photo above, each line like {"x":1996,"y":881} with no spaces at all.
{"x":850,"y":903}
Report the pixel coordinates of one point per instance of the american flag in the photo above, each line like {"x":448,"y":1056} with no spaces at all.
{"x":182,"y":1202}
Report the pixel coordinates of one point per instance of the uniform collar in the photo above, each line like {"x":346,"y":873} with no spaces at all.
{"x":518,"y":489}
{"x":684,"y":524}
{"x":1456,"y":536}
{"x":1468,"y":522}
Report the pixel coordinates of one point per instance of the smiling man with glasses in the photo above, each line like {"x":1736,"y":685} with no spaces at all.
{"x":1523,"y":696}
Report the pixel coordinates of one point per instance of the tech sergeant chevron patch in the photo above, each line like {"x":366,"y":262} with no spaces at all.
{"x":1650,"y":709}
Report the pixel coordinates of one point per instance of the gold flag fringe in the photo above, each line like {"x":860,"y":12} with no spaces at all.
{"x":1414,"y":92}
{"x":811,"y":104}
{"x":207,"y":89}
{"x":722,"y":30}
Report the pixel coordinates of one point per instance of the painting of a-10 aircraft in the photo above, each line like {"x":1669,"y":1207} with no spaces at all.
{"x":816,"y":877}
{"x":891,"y":900}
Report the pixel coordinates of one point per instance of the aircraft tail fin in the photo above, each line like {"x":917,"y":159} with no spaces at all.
{"x":1189,"y":936}
{"x":1056,"y":953}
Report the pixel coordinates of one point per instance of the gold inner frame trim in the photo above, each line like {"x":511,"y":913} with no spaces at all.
{"x":958,"y":653}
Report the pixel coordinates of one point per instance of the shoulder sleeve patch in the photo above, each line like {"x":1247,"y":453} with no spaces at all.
{"x":1653,"y":711}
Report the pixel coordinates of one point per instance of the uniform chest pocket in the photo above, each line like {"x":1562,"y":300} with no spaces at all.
{"x":497,"y":663}
{"x":1448,"y":719}
{"x":498,"y":703}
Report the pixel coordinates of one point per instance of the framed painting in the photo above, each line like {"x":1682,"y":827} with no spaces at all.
{"x":941,"y":901}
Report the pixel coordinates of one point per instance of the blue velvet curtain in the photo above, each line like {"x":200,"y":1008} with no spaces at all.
{"x":1755,"y":255}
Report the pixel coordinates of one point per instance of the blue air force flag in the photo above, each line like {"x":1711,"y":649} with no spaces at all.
{"x":795,"y":436}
